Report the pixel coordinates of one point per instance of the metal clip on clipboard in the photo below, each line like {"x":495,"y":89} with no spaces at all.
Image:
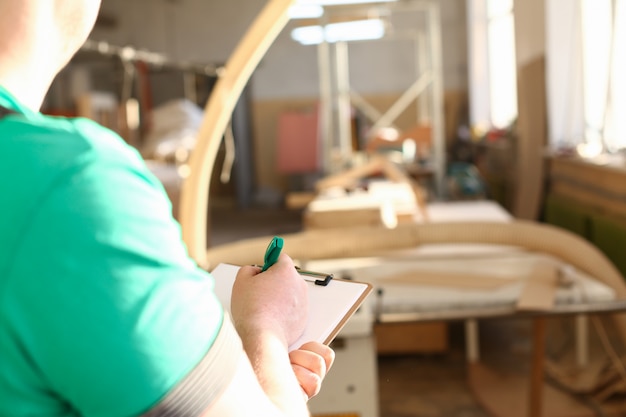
{"x":323,"y":280}
{"x":273,"y":252}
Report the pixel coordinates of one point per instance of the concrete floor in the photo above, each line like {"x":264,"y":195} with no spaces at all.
{"x":427,"y":385}
{"x":417,"y":385}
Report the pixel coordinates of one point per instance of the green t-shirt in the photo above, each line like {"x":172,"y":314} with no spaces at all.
{"x":102,"y":312}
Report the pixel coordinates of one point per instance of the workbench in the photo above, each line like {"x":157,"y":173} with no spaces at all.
{"x":407,"y":291}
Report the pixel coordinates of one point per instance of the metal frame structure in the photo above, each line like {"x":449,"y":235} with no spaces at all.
{"x":337,"y":96}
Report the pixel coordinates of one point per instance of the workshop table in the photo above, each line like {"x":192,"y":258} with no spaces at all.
{"x":398,"y":299}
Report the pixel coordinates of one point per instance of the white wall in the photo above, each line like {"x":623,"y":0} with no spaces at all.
{"x":208,"y":31}
{"x":199,"y":30}
{"x":381,"y":66}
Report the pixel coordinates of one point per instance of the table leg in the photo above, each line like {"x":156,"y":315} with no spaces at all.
{"x":582,"y":340}
{"x":535,"y":400}
{"x":472,"y":345}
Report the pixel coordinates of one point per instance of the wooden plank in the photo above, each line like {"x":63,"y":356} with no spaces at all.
{"x":532,"y":131}
{"x":450,"y":279}
{"x":298,"y":200}
{"x":364,"y":241}
{"x":608,"y":178}
{"x":588,"y":197}
{"x":378,"y":165}
{"x":333,"y":219}
{"x":540,"y":289}
{"x":395,"y":174}
{"x":348,"y":178}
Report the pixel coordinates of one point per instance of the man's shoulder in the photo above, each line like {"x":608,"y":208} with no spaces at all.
{"x":43,"y":157}
{"x":36,"y":150}
{"x":60,"y":136}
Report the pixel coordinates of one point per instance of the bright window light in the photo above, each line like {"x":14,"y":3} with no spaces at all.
{"x":596,"y":36}
{"x":502,"y":65}
{"x":340,"y":2}
{"x":305,"y":11}
{"x":499,"y":8}
{"x":604,"y":64}
{"x":357,"y":30}
{"x":308,"y":35}
{"x":615,"y":131}
{"x":493,"y":75}
{"x":589,"y":150}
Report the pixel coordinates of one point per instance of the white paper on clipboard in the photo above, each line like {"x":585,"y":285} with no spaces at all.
{"x":330,"y":306}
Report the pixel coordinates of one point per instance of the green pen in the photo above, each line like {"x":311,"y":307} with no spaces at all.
{"x":272,"y":252}
{"x":271,"y":257}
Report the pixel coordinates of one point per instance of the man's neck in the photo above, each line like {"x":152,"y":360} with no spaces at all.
{"x":26,"y":58}
{"x":29,"y":89}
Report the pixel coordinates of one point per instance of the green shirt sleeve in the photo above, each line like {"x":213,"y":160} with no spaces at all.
{"x":110,"y":311}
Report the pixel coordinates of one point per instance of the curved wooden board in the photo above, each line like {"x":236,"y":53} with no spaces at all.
{"x":373,"y":241}
{"x":238,"y":70}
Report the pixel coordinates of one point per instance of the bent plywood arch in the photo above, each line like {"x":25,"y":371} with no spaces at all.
{"x":358,"y":242}
{"x":235,"y":75}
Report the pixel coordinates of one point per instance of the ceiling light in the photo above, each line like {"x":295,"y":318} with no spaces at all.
{"x":340,"y":2}
{"x":308,"y":35}
{"x":357,"y":30}
{"x":305,"y":11}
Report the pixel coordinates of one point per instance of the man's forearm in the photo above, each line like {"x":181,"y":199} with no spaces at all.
{"x":270,"y":360}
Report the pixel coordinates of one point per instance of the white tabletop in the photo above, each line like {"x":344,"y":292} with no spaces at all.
{"x":510,"y":264}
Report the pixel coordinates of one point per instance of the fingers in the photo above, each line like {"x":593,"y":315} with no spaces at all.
{"x":310,"y":382}
{"x":322,"y":350}
{"x":284,"y":262}
{"x":249,"y":270}
{"x":310,"y":361}
{"x":310,"y":364}
{"x":274,"y":301}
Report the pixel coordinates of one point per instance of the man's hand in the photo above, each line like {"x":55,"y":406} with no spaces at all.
{"x":269,"y":311}
{"x":310,"y":364}
{"x":273,"y":301}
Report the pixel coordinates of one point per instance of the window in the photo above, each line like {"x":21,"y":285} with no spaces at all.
{"x":493,"y":75}
{"x":586,"y":55}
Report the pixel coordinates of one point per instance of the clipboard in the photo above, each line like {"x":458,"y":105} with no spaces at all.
{"x":330,"y":306}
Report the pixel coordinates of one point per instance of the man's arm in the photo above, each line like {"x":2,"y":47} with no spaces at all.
{"x":221,"y":381}
{"x":130,"y":313}
{"x":270,"y":312}
{"x":310,"y":364}
{"x":269,"y":389}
